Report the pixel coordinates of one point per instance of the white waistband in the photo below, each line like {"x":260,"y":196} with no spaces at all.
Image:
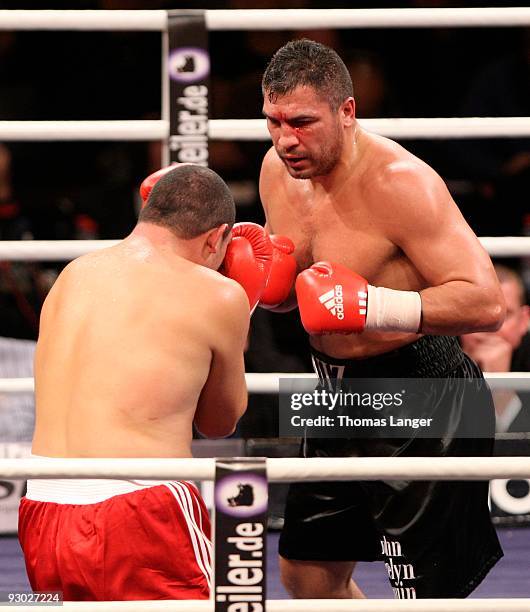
{"x":84,"y":491}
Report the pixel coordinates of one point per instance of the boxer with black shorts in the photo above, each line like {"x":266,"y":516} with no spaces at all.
{"x":399,"y":273}
{"x":417,"y":528}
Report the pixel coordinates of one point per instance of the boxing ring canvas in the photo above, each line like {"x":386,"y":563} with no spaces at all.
{"x":508,"y":579}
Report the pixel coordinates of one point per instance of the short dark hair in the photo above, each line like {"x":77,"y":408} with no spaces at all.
{"x":306,"y":62}
{"x":189,"y":200}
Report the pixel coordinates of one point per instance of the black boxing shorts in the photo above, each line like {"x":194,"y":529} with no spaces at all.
{"x":436,"y":538}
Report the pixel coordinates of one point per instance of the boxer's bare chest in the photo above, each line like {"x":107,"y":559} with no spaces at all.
{"x":345,"y":230}
{"x":341,"y":230}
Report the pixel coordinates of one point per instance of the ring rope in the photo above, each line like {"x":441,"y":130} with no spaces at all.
{"x":129,"y":130}
{"x":278,"y":470}
{"x":304,"y":605}
{"x":401,"y":128}
{"x":62,"y":250}
{"x":50,"y":250}
{"x":269,"y":382}
{"x":269,"y":19}
{"x":256,"y":129}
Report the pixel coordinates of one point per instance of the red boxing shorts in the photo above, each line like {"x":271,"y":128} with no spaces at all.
{"x":116,"y":540}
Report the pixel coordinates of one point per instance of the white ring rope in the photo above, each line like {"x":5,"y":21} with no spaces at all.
{"x":256,"y":129}
{"x":270,"y":19}
{"x":140,"y":21}
{"x":63,"y":250}
{"x":402,"y":128}
{"x":269,"y":382}
{"x":516,"y":381}
{"x":83,"y":130}
{"x":278,"y":470}
{"x":303,"y":605}
{"x":49,"y":250}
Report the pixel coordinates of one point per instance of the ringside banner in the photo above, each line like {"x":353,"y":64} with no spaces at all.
{"x":188,"y":72}
{"x":241,"y":500}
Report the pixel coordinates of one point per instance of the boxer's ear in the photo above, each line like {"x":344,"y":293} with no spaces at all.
{"x":347,"y":112}
{"x":215,"y":237}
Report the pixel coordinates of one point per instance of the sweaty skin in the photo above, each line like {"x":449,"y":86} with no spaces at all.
{"x":136,"y":342}
{"x":378,"y":210}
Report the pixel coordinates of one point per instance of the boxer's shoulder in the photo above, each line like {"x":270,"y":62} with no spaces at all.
{"x":275,"y":182}
{"x":224,"y":296}
{"x":76,"y":270}
{"x":272,"y":170}
{"x":394,"y":167}
{"x":271,"y":160}
{"x":217,"y":306}
{"x":402,"y":180}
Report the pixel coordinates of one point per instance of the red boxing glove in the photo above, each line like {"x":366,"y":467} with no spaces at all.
{"x":248,"y":259}
{"x":332,"y":299}
{"x":282,"y":273}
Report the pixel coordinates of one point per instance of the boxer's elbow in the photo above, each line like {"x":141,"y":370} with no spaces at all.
{"x":218,"y":428}
{"x":214,"y":434}
{"x":214,"y":431}
{"x":494,"y":313}
{"x":220,"y":423}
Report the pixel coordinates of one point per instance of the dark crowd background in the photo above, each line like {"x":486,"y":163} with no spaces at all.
{"x":82,"y":190}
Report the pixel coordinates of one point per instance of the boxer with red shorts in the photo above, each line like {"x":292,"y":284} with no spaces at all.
{"x":388,"y":271}
{"x":116,"y":540}
{"x":138,"y":343}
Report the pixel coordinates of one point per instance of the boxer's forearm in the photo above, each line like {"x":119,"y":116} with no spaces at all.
{"x":460,"y":307}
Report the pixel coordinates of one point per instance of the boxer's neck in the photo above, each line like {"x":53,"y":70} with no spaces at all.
{"x":162,"y":240}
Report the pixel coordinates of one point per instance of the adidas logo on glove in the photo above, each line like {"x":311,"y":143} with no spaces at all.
{"x":346,"y":303}
{"x":334,"y":301}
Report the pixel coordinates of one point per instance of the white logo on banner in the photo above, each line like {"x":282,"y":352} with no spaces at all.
{"x":505,"y":501}
{"x":188,"y":64}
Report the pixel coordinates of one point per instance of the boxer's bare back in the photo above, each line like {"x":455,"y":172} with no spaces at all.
{"x":134,"y":347}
